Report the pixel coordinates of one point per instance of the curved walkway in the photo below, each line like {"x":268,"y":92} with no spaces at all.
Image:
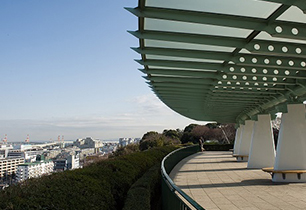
{"x":216,"y":181}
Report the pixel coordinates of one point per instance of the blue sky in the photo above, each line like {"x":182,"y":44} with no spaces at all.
{"x":67,"y":69}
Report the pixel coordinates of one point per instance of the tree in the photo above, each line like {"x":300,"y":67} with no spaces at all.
{"x":213,"y":125}
{"x":275,"y":136}
{"x":189,"y":128}
{"x":149,"y":134}
{"x":173,"y":134}
{"x":229,"y":132}
{"x":128,"y":149}
{"x":211,"y":131}
{"x":201,"y":131}
{"x":187,"y":136}
{"x":276,"y":126}
{"x":151,"y":139}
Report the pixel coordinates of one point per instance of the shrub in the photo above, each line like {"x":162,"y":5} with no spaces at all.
{"x":151,"y":140}
{"x":217,"y":147}
{"x":101,"y":185}
{"x":140,"y":195}
{"x":131,"y":148}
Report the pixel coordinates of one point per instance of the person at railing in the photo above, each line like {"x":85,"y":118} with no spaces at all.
{"x":201,"y":143}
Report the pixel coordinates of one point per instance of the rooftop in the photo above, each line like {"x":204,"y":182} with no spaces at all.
{"x":35,"y":163}
{"x":217,"y":181}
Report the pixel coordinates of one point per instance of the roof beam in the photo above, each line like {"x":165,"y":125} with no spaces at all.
{"x":181,"y":73}
{"x":256,"y":45}
{"x":182,"y":80}
{"x":199,"y":17}
{"x":189,"y":38}
{"x":275,"y":28}
{"x":299,"y":3}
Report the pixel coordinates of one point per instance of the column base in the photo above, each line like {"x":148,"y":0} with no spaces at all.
{"x":241,"y":158}
{"x":288,"y":176}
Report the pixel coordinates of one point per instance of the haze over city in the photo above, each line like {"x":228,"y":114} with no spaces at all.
{"x":67,"y":69}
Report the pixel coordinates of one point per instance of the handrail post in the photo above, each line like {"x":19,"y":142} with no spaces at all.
{"x":171,"y":200}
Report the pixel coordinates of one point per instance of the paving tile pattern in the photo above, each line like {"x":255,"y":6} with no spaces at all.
{"x":217,"y":181}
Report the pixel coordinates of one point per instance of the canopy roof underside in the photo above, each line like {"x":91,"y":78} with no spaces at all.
{"x":224,"y":61}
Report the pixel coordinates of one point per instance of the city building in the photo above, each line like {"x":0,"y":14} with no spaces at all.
{"x":23,"y":147}
{"x":52,"y":153}
{"x":73,"y":160}
{"x":34,"y":169}
{"x":8,"y":166}
{"x":4,"y":149}
{"x":29,"y":156}
{"x":3,"y":154}
{"x":109,"y":148}
{"x":126,"y":141}
{"x":2,"y":186}
{"x":67,"y":160}
{"x":6,"y":146}
{"x":89,"y":142}
{"x":60,"y":165}
{"x":87,"y":152}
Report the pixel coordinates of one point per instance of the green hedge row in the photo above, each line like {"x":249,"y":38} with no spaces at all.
{"x":143,"y":191}
{"x":218,"y":147}
{"x":102,"y":185}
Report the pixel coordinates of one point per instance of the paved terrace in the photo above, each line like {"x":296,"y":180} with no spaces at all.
{"x":216,"y":181}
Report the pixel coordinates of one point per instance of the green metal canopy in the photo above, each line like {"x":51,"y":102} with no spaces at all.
{"x":224,"y":61}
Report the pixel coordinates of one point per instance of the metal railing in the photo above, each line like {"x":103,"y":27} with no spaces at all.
{"x":173,"y":198}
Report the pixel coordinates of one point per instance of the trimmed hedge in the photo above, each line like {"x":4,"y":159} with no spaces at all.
{"x":218,"y":147}
{"x":142,"y":192}
{"x":102,"y":185}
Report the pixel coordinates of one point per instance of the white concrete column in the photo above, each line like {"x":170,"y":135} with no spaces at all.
{"x":237,"y":139}
{"x":291,"y":146}
{"x":262,"y":149}
{"x":246,"y":137}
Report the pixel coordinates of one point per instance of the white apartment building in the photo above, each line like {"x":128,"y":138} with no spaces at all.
{"x":68,"y":160}
{"x":4,"y":149}
{"x":35,"y":169}
{"x":89,"y":142}
{"x":126,"y":141}
{"x":9,"y":165}
{"x":29,"y":156}
{"x":73,"y":161}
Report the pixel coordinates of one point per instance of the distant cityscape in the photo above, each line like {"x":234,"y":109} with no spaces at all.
{"x":20,"y":161}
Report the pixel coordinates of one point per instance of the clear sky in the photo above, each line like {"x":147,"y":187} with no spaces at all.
{"x":67,"y":69}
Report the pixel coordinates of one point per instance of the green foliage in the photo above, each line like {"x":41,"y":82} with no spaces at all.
{"x":101,"y":185}
{"x":138,"y":198}
{"x":189,"y":128}
{"x":149,"y":134}
{"x":131,"y":148}
{"x":173,"y":134}
{"x":211,"y":143}
{"x":140,"y":195}
{"x":187,"y":144}
{"x":218,"y":147}
{"x":213,"y":125}
{"x":224,"y":133}
{"x":153,"y":139}
{"x":188,"y":136}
